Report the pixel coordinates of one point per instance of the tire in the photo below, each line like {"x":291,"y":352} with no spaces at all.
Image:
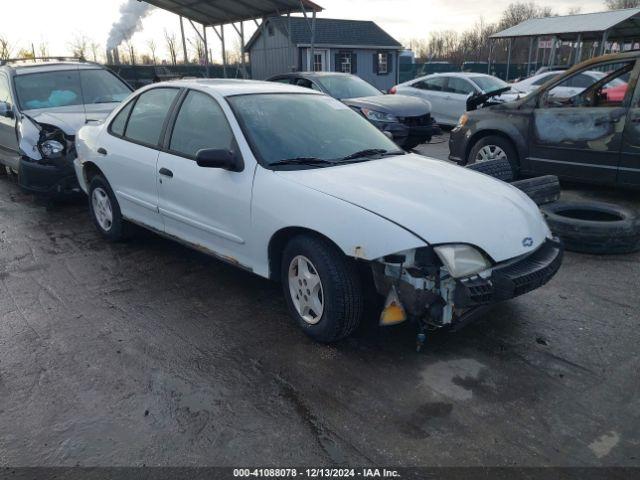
{"x":500,"y":169}
{"x":341,"y":294}
{"x":115,"y":230}
{"x":501,"y":143}
{"x":3,"y":170}
{"x":594,"y":227}
{"x":541,"y":190}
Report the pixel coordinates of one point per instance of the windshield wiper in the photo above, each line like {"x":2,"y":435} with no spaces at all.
{"x":371,"y":152}
{"x":302,"y":161}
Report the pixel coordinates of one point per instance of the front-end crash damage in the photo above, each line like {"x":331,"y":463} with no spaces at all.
{"x":447,"y":285}
{"x":47,"y":155}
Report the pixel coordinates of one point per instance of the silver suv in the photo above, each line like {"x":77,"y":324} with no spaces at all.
{"x":43,"y":104}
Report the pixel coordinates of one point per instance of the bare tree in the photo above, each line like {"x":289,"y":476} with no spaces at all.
{"x":153,"y":48}
{"x":5,"y":48}
{"x":197,"y":45}
{"x":131,"y":51}
{"x":79,"y":46}
{"x":95,"y":50}
{"x":519,"y":12}
{"x":172,"y":46}
{"x":574,"y":11}
{"x":620,"y":4}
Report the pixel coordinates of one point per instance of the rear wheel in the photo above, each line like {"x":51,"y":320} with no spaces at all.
{"x":322,"y":288}
{"x":494,"y":147}
{"x":105,"y":210}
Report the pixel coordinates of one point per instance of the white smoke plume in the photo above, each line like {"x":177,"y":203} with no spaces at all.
{"x":131,"y":15}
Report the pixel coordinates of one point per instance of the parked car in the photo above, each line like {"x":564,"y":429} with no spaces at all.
{"x":448,"y":92}
{"x":407,"y":120}
{"x":587,"y":136}
{"x":43,"y":103}
{"x":293,"y":185}
{"x":576,"y":85}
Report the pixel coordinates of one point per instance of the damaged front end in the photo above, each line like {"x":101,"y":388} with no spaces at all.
{"x":47,"y":155}
{"x":481,"y":100}
{"x":450,"y":285}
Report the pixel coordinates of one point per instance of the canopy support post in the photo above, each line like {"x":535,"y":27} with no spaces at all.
{"x":184,"y":41}
{"x":552,"y":57}
{"x":508,"y":60}
{"x":605,"y":38}
{"x":206,"y":48}
{"x":530,"y":55}
{"x":578,"y":57}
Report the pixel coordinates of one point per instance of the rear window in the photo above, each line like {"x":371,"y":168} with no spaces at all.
{"x":489,"y":84}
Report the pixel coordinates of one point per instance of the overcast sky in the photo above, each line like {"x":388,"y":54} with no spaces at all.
{"x":56,"y":23}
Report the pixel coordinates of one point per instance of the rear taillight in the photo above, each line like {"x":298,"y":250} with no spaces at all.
{"x":393,"y":90}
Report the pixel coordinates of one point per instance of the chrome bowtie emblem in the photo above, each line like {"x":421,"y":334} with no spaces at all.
{"x":527,"y":242}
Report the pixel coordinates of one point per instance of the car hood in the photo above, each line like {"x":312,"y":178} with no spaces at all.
{"x":437,"y":201}
{"x":398,"y":105}
{"x":73,"y":118}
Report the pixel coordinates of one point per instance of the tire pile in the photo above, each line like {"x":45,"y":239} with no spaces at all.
{"x":584,"y":227}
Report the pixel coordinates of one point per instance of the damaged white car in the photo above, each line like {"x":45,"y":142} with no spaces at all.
{"x":43,"y":103}
{"x":293,"y":185}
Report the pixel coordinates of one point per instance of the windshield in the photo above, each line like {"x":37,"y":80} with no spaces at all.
{"x":489,"y":84}
{"x":69,"y":87}
{"x":347,"y":86}
{"x":305,"y":126}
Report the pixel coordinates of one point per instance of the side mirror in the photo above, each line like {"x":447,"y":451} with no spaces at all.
{"x":224,"y":159}
{"x":6,"y":110}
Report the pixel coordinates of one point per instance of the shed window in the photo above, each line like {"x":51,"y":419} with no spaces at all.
{"x":345,"y":62}
{"x":383,"y":63}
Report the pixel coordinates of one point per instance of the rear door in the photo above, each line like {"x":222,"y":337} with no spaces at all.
{"x":8,"y":138}
{"x":433,"y":90}
{"x":131,"y":147}
{"x":580,"y":135}
{"x":458,"y":90}
{"x":629,"y":170}
{"x":206,"y":207}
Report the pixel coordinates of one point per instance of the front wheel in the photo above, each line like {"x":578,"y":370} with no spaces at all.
{"x":105,"y":210}
{"x":493,"y":147}
{"x":322,"y":288}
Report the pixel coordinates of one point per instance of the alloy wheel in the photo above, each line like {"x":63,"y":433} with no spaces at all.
{"x":102,"y":208}
{"x":490,"y":152}
{"x":306,"y":289}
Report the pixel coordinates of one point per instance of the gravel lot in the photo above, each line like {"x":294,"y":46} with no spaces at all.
{"x":149,"y":353}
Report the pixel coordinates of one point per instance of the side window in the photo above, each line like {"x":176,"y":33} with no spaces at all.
{"x":303,"y":82}
{"x":543,"y":79}
{"x":201,"y":124}
{"x":120,"y":122}
{"x":286,"y":81}
{"x":148,"y":115}
{"x":460,"y":86}
{"x":435,"y":84}
{"x":5,"y":93}
{"x":605,"y":85}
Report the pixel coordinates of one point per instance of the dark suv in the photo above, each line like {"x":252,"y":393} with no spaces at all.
{"x":589,"y":135}
{"x":407,"y":119}
{"x":43,"y":104}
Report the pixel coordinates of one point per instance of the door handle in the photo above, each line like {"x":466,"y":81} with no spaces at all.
{"x":166,"y":172}
{"x":102,"y":151}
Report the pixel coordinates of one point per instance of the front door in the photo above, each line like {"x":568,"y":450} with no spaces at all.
{"x":458,"y":91}
{"x":8,"y":138}
{"x":629,"y":171}
{"x":320,"y":60}
{"x":206,"y":207}
{"x":580,"y":135}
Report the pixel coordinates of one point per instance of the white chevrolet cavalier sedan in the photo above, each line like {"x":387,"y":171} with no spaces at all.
{"x":293,"y":185}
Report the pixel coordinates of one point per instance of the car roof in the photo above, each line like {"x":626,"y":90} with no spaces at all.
{"x":312,"y":75}
{"x":231,"y":87}
{"x":26,"y":66}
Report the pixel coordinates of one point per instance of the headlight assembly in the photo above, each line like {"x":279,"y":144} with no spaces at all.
{"x":379,"y":116}
{"x":462,"y":260}
{"x":51,"y":148}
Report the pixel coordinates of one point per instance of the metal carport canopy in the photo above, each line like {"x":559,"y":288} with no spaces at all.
{"x":222,"y":12}
{"x":619,"y":23}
